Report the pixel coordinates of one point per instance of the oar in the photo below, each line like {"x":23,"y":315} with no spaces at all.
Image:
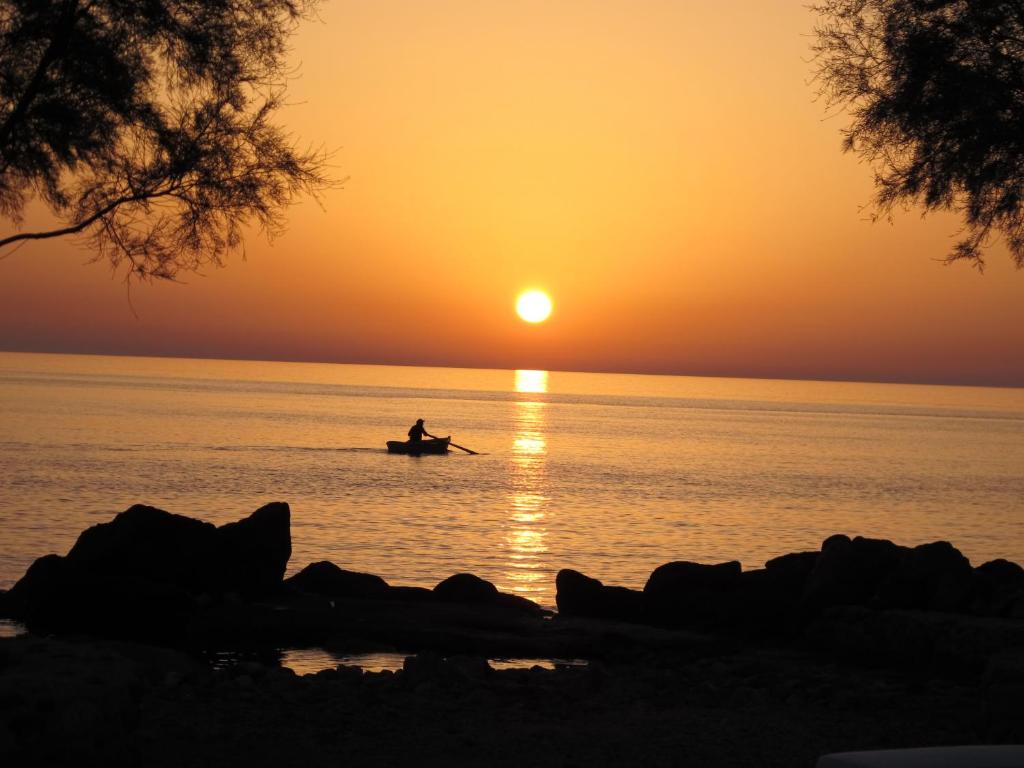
{"x":471,"y":453}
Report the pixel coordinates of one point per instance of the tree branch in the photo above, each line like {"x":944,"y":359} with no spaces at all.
{"x":85,"y":223}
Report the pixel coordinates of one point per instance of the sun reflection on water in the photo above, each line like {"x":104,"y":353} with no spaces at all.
{"x":526,"y":533}
{"x":532,"y":381}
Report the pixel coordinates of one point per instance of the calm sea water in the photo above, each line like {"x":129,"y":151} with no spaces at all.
{"x":609,"y":474}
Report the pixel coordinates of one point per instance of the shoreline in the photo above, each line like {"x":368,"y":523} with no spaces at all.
{"x":861,"y":645}
{"x":120,"y":704}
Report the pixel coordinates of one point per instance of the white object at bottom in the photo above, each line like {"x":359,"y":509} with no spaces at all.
{"x":929,"y":757}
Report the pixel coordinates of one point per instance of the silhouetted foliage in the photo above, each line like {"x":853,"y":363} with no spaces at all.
{"x":146,"y":125}
{"x":936,"y":92}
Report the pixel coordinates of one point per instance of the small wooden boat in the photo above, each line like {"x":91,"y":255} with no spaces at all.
{"x":419,"y":447}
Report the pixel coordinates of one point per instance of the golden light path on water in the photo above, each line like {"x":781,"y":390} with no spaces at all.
{"x":526,"y":533}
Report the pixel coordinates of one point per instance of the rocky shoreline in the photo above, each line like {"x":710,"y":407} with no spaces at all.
{"x":861,"y":645}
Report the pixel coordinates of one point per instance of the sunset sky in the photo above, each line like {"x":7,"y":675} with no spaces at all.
{"x":660,"y":167}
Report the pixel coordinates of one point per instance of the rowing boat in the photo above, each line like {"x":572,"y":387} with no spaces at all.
{"x":419,"y":447}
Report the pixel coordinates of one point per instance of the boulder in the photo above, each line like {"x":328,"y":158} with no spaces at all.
{"x":580,"y":595}
{"x":47,"y":595}
{"x":139,"y":575}
{"x":248,"y":556}
{"x":685,"y":594}
{"x":147,"y":543}
{"x":327,"y":579}
{"x":932,"y":576}
{"x":790,"y":572}
{"x":686,"y":576}
{"x":1001,"y":571}
{"x":470,"y":589}
{"x":577,"y":594}
{"x":56,"y":595}
{"x":465,"y":588}
{"x":848,"y":572}
{"x":998,"y":589}
{"x":253,"y":553}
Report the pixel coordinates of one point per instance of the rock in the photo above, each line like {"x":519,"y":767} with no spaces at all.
{"x":685,"y":594}
{"x":327,"y":579}
{"x":683,"y":575}
{"x":465,"y":588}
{"x":145,"y":542}
{"x":55,"y":595}
{"x":470,"y":589}
{"x":998,"y":589}
{"x":932,"y":576}
{"x":790,"y":572}
{"x":848,"y":572}
{"x":1001,"y":571}
{"x":46,"y":595}
{"x":140,"y":575}
{"x":580,"y":595}
{"x":253,"y":553}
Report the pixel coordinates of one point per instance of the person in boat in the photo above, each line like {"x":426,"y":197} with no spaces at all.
{"x":416,"y":432}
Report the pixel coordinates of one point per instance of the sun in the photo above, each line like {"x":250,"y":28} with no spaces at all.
{"x":534,"y":306}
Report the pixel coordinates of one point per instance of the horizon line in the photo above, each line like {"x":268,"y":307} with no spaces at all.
{"x":600,"y":372}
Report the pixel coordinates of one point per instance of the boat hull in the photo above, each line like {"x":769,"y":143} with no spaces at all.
{"x":429,"y":447}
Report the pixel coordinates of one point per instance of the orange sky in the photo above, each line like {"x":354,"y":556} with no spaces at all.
{"x":659,"y":166}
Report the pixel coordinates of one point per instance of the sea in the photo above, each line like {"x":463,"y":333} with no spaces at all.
{"x":609,"y":474}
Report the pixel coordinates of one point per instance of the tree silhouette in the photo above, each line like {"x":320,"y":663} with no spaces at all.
{"x":935,"y":89}
{"x":146,"y":125}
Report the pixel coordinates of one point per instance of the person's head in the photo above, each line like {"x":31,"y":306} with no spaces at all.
{"x":420,"y":422}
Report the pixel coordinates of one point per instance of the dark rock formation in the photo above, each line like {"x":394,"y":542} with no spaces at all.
{"x":790,"y":572}
{"x":848,"y":572}
{"x":253,"y":553}
{"x":327,"y":579}
{"x":141,"y":574}
{"x":1002,"y":571}
{"x":148,"y":543}
{"x":932,"y":576}
{"x":171,"y":580}
{"x":467,"y":588}
{"x":998,"y":589}
{"x":685,"y":594}
{"x":580,"y":595}
{"x":43,"y":594}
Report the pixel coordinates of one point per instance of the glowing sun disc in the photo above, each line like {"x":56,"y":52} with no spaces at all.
{"x":534,"y":306}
